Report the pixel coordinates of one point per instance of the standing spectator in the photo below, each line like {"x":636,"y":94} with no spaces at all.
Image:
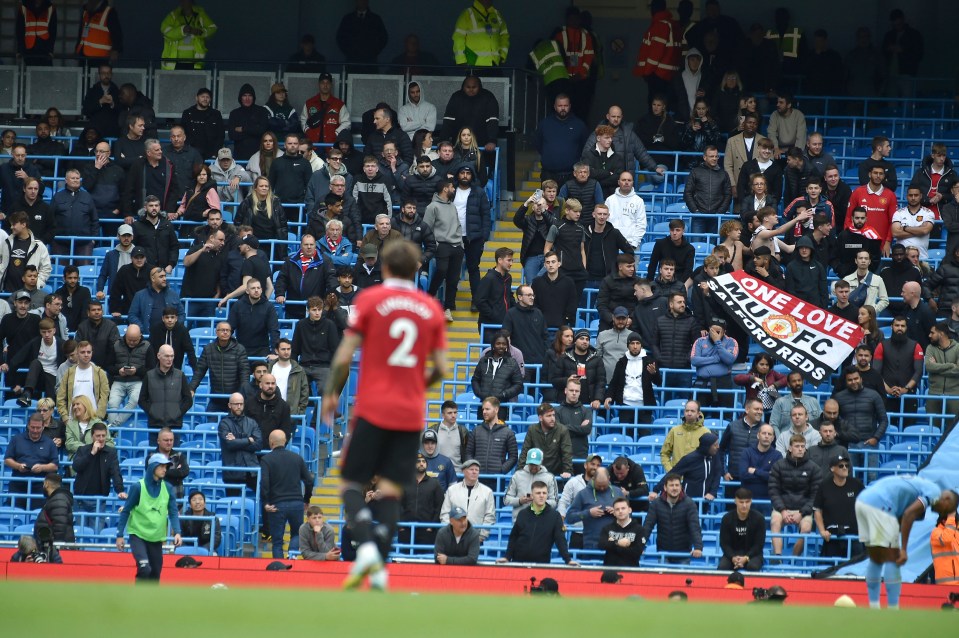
{"x":18,"y":250}
{"x":494,"y":296}
{"x":740,"y":149}
{"x":36,"y":32}
{"x":102,"y":333}
{"x":585,"y":363}
{"x":899,"y":360}
{"x":880,"y":203}
{"x":14,"y":175}
{"x":584,"y":189}
{"x":675,"y":247}
{"x":148,"y":304}
{"x":227,"y":362}
{"x":75,"y":297}
{"x":203,"y":125}
{"x":864,"y":414}
{"x":362,"y":36}
{"x":874,"y":294}
{"x":623,"y":539}
{"x":672,"y":339}
{"x":151,"y":175}
{"x":472,"y":497}
{"x":742,"y":535}
{"x":603,"y":245}
{"x":150,"y":506}
{"x":247,"y":123}
{"x":757,"y":461}
{"x":165,"y":394}
{"x":39,"y":215}
{"x":186,"y":161}
{"x":481,"y":38}
{"x":156,"y":236}
{"x":552,"y":439}
{"x":185,"y":31}
{"x":828,"y":447}
{"x":912,"y":225}
{"x":325,"y":116}
{"x":291,"y":380}
{"x":417,"y":114}
{"x":559,"y":140}
{"x":683,"y":438}
{"x":627,"y":210}
{"x":254,"y":321}
{"x":658,"y":59}
{"x":806,"y":277}
{"x":120,"y":255}
{"x":315,"y":339}
{"x":834,"y":508}
{"x":556,"y":294}
{"x":708,"y":191}
{"x":793,"y":482}
{"x":240,"y":440}
{"x":280,"y":492}
{"x":84,"y":380}
{"x":96,"y":466}
{"x":75,"y":215}
{"x":290,"y":173}
{"x":269,"y":410}
{"x":492,"y":440}
{"x":700,"y":131}
{"x":689,"y":84}
{"x":903,"y":47}
{"x":171,"y":331}
{"x":593,"y":507}
{"x":283,"y":118}
{"x":942,"y":364}
{"x":700,"y":469}
{"x":527,"y":328}
{"x":100,"y":100}
{"x":630,"y":383}
{"x":477,"y":109}
{"x":676,"y":519}
{"x":451,"y":436}
{"x":935,"y":178}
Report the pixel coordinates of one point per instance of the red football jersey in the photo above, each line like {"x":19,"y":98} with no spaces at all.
{"x":401,"y":327}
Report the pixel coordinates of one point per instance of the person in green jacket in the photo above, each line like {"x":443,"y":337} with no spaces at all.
{"x":150,"y":507}
{"x":185,"y":31}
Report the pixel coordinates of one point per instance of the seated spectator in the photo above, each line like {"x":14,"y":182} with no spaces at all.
{"x":472,"y":497}
{"x":458,"y":543}
{"x":371,"y":192}
{"x":317,"y":539}
{"x":225,"y":169}
{"x":834,"y":508}
{"x":675,"y":517}
{"x":536,"y":529}
{"x":799,"y":420}
{"x":52,"y":427}
{"x":713,"y":357}
{"x":631,"y":383}
{"x":793,"y":482}
{"x":42,"y":355}
{"x":757,"y":461}
{"x":742,"y":535}
{"x":206,"y":532}
{"x":780,"y":417}
{"x":519,"y":492}
{"x":29,"y":455}
{"x":79,"y":427}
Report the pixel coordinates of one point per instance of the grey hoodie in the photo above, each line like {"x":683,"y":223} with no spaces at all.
{"x":442,"y":217}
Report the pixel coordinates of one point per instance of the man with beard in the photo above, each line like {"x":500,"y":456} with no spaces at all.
{"x":852,"y":239}
{"x":421,"y":503}
{"x":148,"y":304}
{"x":204,"y":125}
{"x":156,"y":236}
{"x":897,"y":274}
{"x":270,"y":411}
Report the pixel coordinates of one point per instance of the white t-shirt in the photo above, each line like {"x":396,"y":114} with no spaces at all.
{"x":462,"y":194}
{"x":48,"y":357}
{"x":83,"y":385}
{"x":282,"y":374}
{"x":908,"y":220}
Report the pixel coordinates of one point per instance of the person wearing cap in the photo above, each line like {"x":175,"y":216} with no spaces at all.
{"x":713,"y":357}
{"x":283,"y":118}
{"x":457,"y":543}
{"x":255,"y":266}
{"x":553,"y":442}
{"x":765,"y":268}
{"x":150,"y":508}
{"x":421,"y":503}
{"x":130,"y":279}
{"x":473,"y":208}
{"x":536,"y":528}
{"x":247,"y":123}
{"x":324,"y":115}
{"x":204,"y":125}
{"x":438,"y":466}
{"x":834,"y":508}
{"x":117,"y":257}
{"x":519,"y":492}
{"x":630,"y":383}
{"x":611,"y":343}
{"x":471,"y":496}
{"x":17,"y":329}
{"x":701,"y":470}
{"x":230,"y":174}
{"x":367,"y":271}
{"x":584,"y":362}
{"x":742,"y":536}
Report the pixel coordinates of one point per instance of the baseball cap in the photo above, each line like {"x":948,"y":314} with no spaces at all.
{"x":594,"y":456}
{"x":159,"y":459}
{"x":582,"y":332}
{"x":224,"y":153}
{"x":429,"y":435}
{"x":368,"y":250}
{"x":534,"y":456}
{"x":464,"y":167}
{"x":138,"y":252}
{"x":188,"y":562}
{"x":277,"y":566}
{"x":457,"y":512}
{"x":125,"y":229}
{"x":325,"y":76}
{"x":634,"y":336}
{"x":278,"y":87}
{"x":620,"y":311}
{"x":21,"y":294}
{"x":470,"y":463}
{"x":420,"y":455}
{"x":837,"y":459}
{"x":250,"y":241}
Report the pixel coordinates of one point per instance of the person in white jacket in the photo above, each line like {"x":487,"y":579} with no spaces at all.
{"x":627,"y":210}
{"x":417,"y":113}
{"x":474,"y":497}
{"x":22,"y":246}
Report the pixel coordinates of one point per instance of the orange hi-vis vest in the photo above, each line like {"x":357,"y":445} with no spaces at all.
{"x":579,"y":56}
{"x":35,"y":26}
{"x":944,"y":545}
{"x":95,"y":42}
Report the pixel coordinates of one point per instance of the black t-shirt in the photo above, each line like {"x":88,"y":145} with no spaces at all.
{"x":257,"y":267}
{"x":838,"y":504}
{"x":18,"y":261}
{"x":202,"y":278}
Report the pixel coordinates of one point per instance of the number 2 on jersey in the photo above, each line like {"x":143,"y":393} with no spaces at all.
{"x":406,"y":330}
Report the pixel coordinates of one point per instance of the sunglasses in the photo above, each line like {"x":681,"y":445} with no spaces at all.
{"x":845,"y":465}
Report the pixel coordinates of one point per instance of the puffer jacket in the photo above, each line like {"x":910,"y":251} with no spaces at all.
{"x":708,"y":190}
{"x":863,"y":413}
{"x":594,"y":385}
{"x":494,"y":447}
{"x":273,"y":227}
{"x":793,"y":484}
{"x":677,"y":524}
{"x":672,"y":339}
{"x":614,"y":291}
{"x":737,"y":436}
{"x":478,"y":220}
{"x":946,"y":279}
{"x":229,"y":367}
{"x":57,"y":514}
{"x":420,"y":188}
{"x":531,"y":227}
{"x":504,"y":384}
{"x":626,"y":144}
{"x":253,"y":120}
{"x":141,"y":356}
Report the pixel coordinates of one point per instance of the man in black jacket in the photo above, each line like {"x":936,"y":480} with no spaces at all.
{"x":169,"y":331}
{"x":616,"y":289}
{"x":742,"y":535}
{"x":555,"y":294}
{"x":708,"y":192}
{"x":165,"y":394}
{"x":130,"y":279}
{"x":421,"y":503}
{"x":290,"y":173}
{"x":270,"y":411}
{"x":494,"y":296}
{"x":673,"y":336}
{"x":584,"y":362}
{"x":675,"y":247}
{"x":410,"y":224}
{"x":536,"y":529}
{"x":96,"y":466}
{"x":282,"y":497}
{"x":203,"y":125}
{"x":57,"y":513}
{"x":527,"y":327}
{"x":101,"y":333}
{"x":156,"y":236}
{"x":623,"y":539}
{"x":315,"y":339}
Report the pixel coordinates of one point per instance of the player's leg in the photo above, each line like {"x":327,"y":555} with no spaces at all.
{"x":893,"y":579}
{"x":358,"y":461}
{"x":775,"y":527}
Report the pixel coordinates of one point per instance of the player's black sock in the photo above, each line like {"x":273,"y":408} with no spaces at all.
{"x":388,"y":513}
{"x":358,"y":515}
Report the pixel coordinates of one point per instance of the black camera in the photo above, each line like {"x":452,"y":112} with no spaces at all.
{"x":37,"y":557}
{"x":952,"y":600}
{"x":760,"y":593}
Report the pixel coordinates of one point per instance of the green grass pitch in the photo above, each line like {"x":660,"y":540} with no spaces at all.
{"x":79,"y":609}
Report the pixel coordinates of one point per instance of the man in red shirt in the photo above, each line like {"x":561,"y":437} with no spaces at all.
{"x":880,"y":204}
{"x":400,"y":329}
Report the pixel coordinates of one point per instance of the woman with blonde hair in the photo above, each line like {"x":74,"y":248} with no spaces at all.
{"x":79,"y":428}
{"x":466,"y":151}
{"x":262,"y":210}
{"x":725,"y":101}
{"x":52,"y":427}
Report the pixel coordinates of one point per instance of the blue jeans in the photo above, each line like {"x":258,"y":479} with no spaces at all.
{"x":859,"y":459}
{"x":532,"y":268}
{"x":286,"y":512}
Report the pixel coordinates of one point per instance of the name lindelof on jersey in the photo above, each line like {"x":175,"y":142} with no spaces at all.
{"x":392,"y":304}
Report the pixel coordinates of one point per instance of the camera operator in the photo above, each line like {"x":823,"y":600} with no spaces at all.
{"x":27,"y":551}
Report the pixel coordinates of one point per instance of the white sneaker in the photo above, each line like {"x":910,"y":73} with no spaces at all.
{"x":449,"y":315}
{"x":368,"y":562}
{"x":379,"y":580}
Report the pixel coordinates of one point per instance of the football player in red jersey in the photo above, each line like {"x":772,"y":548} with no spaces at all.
{"x":401,"y":330}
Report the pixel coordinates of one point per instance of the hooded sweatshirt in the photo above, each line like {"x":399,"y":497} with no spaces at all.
{"x":413,"y":117}
{"x":680,"y":441}
{"x":153,"y":487}
{"x":627,"y":213}
{"x":700,"y":470}
{"x":253,"y":120}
